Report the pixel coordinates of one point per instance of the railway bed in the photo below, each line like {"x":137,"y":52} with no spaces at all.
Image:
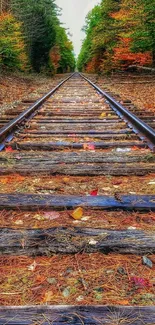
{"x":77,"y":210}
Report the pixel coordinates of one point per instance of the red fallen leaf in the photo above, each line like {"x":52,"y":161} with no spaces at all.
{"x":9,"y":149}
{"x":91,"y":147}
{"x":140,"y":282}
{"x":94,"y":192}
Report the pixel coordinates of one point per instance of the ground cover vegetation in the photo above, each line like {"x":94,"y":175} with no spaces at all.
{"x":32,"y":38}
{"x":118,"y":34}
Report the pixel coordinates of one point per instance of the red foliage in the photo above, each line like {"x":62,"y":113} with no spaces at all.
{"x":124,"y":57}
{"x":93,"y":65}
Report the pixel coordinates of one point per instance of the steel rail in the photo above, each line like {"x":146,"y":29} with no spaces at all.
{"x":136,"y":123}
{"x":5,"y":130}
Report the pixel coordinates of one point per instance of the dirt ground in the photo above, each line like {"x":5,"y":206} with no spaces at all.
{"x":16,"y":87}
{"x":139,"y":88}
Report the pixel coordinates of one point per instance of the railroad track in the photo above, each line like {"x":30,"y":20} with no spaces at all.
{"x":77,"y":211}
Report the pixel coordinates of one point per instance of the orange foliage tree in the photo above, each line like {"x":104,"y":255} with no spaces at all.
{"x":123,"y":57}
{"x":119,"y":33}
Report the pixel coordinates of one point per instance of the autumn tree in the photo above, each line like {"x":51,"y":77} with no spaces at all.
{"x":128,"y":18}
{"x":101,"y":36}
{"x":121,"y":34}
{"x":45,"y":40}
{"x":12,"y":47}
{"x":144,"y":34}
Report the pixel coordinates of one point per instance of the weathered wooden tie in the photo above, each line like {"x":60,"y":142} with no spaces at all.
{"x":77,"y":315}
{"x":59,"y":202}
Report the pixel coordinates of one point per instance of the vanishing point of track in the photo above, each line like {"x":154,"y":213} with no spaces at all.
{"x":76,"y":130}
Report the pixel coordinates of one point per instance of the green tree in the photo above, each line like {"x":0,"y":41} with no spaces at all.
{"x":12,"y":47}
{"x":144,"y":34}
{"x":67,"y":59}
{"x":39,"y":28}
{"x":86,"y":54}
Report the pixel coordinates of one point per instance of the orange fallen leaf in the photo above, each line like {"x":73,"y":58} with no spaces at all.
{"x":66,"y":180}
{"x":40,"y":278}
{"x":135,"y":148}
{"x":77,"y":213}
{"x":123,"y":302}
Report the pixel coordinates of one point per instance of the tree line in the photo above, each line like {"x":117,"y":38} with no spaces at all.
{"x":119,"y":33}
{"x":32,"y":37}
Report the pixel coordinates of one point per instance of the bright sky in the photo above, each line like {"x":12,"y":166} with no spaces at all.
{"x":73,"y":17}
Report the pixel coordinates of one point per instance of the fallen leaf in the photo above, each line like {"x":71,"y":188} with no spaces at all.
{"x":39,"y":217}
{"x":18,"y":157}
{"x":103,"y":115}
{"x":135,"y":148}
{"x":40,"y":278}
{"x":146,"y":261}
{"x":66,"y":180}
{"x":9,"y":149}
{"x":51,"y":215}
{"x":77,"y":213}
{"x":79,"y":298}
{"x":66,"y":292}
{"x":140,"y":282}
{"x":48,"y":296}
{"x":92,"y":242}
{"x":91,"y":147}
{"x":88,"y":146}
{"x":85,"y":218}
{"x":106,"y":188}
{"x":117,"y":182}
{"x":94,"y":192}
{"x":18,"y":222}
{"x":123,"y":302}
{"x":32,"y":267}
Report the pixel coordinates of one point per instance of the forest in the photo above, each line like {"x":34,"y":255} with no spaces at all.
{"x":119,"y":34}
{"x":32,"y":37}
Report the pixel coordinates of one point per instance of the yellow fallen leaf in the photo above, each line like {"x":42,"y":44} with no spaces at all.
{"x":77,"y":213}
{"x":103,"y":115}
{"x":48,"y":296}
